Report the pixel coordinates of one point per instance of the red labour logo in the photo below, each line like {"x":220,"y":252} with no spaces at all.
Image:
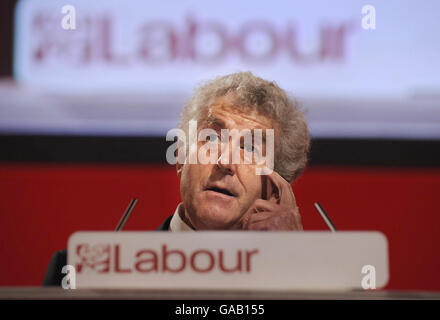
{"x":201,"y":41}
{"x":106,"y":258}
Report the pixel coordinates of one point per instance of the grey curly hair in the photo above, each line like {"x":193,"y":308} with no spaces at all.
{"x":264,"y":97}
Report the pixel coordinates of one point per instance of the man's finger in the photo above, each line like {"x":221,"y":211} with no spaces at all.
{"x":284,"y":189}
{"x":260,"y":216}
{"x":264,"y":205}
{"x":258,"y":207}
{"x":274,"y":222}
{"x":273,"y":217}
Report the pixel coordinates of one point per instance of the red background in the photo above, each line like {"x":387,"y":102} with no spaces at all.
{"x":41,"y":205}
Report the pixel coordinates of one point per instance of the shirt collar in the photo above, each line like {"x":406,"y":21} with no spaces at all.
{"x":177,"y":224}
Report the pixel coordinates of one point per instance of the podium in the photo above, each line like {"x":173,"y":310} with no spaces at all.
{"x":227,"y":261}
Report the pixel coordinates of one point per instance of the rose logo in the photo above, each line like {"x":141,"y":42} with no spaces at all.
{"x":96,"y":257}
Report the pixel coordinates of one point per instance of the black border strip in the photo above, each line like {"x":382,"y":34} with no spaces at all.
{"x":218,"y":309}
{"x":120,"y":149}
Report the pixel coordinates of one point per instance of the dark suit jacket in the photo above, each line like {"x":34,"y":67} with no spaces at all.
{"x":54,"y":276}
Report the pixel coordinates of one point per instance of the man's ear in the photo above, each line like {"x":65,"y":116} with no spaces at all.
{"x":269,"y":190}
{"x":275,"y":195}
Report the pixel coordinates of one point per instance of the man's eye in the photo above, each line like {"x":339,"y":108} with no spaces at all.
{"x":213,"y":137}
{"x":249,"y":148}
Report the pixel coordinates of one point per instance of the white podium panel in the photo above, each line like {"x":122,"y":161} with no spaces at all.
{"x":229,"y":260}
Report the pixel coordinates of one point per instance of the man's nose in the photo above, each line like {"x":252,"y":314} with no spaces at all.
{"x":224,"y":161}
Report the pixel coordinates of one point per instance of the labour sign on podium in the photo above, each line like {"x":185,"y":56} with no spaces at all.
{"x":228,"y":260}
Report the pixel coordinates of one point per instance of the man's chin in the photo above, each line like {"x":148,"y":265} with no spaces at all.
{"x":216,"y":217}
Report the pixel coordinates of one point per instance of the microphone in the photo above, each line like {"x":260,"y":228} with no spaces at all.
{"x":325,"y":217}
{"x":126,"y":215}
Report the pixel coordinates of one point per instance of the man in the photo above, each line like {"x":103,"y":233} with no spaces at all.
{"x":223,"y":194}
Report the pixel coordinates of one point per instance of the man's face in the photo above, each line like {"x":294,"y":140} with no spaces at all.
{"x":216,"y":196}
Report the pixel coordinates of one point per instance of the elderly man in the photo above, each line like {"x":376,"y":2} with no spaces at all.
{"x":224,"y":194}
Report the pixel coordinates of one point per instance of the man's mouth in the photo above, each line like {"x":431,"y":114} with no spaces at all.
{"x":221,"y":190}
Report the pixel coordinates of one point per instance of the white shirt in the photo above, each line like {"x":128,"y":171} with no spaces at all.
{"x":176,"y":223}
